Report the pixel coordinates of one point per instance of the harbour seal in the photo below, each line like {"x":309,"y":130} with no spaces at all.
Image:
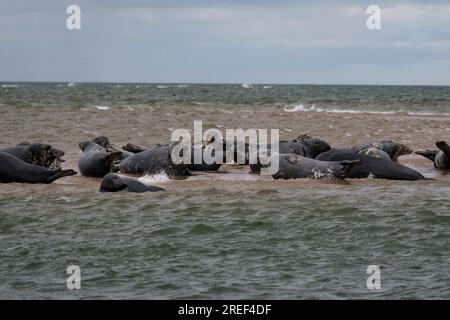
{"x":293,"y":166}
{"x":441,"y":157}
{"x":96,"y":161}
{"x":13,"y":169}
{"x":154,"y":161}
{"x":372,"y":167}
{"x":113,"y":182}
{"x":38,"y":154}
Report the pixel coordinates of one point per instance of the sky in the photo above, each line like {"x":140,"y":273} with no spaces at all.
{"x":226,"y":41}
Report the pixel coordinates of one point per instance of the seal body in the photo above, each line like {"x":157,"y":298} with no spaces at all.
{"x":153,"y":161}
{"x":386,"y":149}
{"x":372,"y":167}
{"x":96,"y":161}
{"x":38,"y":154}
{"x":440,"y":157}
{"x":113,"y":182}
{"x":292,"y":166}
{"x":13,"y":169}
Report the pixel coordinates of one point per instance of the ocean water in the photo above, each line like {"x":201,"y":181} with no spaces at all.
{"x":230,"y":234}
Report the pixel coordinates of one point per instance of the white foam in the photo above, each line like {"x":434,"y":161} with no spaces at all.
{"x":267,"y":87}
{"x":246,"y":86}
{"x":181,"y":85}
{"x":301,"y":108}
{"x":162,"y":87}
{"x":155,"y":178}
{"x":103,"y":108}
{"x":70,"y":84}
{"x":10,"y":86}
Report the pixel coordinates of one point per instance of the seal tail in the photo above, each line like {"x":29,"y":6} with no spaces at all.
{"x":429,"y":154}
{"x":444,"y":147}
{"x":132,"y":148}
{"x":347,"y":166}
{"x":60,"y":174}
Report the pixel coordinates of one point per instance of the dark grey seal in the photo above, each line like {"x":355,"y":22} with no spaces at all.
{"x":13,"y":169}
{"x":96,"y":161}
{"x":113,"y":182}
{"x":372,"y":167}
{"x":441,"y":157}
{"x":154,"y":161}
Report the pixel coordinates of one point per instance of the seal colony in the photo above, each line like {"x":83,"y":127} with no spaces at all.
{"x":302,"y":157}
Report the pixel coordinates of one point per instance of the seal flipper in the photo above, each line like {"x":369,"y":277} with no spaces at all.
{"x":347,"y":166}
{"x":444,"y":147}
{"x":60,"y":174}
{"x":132,"y":148}
{"x":429,"y":154}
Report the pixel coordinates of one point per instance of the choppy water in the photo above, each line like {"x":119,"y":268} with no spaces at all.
{"x":230,"y":234}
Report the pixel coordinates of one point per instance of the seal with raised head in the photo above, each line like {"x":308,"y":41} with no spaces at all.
{"x":293,"y":166}
{"x":154,"y":161}
{"x":13,"y":169}
{"x":441,"y":157}
{"x":38,"y":154}
{"x":103,"y":141}
{"x":386,"y":149}
{"x":114,"y":182}
{"x":371,"y":167}
{"x":96,"y":161}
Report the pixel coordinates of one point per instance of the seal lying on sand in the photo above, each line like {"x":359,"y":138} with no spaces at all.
{"x":113,"y":182}
{"x":96,"y":161}
{"x":154,"y":161}
{"x":38,"y":154}
{"x":13,"y":169}
{"x":386,"y":149}
{"x":293,"y":166}
{"x":304,"y":146}
{"x":441,"y":157}
{"x":372,"y":167}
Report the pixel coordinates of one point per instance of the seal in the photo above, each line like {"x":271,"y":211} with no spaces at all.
{"x":96,"y":161}
{"x":386,"y":149}
{"x":13,"y":169}
{"x":304,"y":145}
{"x":113,"y":182}
{"x":38,"y":154}
{"x":293,"y":166}
{"x":372,"y":167}
{"x":154,"y":161}
{"x":441,"y":157}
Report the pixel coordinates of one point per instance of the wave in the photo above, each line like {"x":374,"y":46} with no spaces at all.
{"x":162,"y":87}
{"x":246,"y":86}
{"x":103,"y":108}
{"x":155,"y":178}
{"x":10,"y":86}
{"x":71,"y":84}
{"x":302,"y":108}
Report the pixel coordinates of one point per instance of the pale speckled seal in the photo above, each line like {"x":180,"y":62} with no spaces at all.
{"x":441,"y":157}
{"x":38,"y":154}
{"x":293,"y":166}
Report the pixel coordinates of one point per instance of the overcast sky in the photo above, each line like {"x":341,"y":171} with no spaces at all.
{"x":257,"y":41}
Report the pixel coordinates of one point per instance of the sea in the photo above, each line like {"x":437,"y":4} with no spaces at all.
{"x":228,"y":234}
